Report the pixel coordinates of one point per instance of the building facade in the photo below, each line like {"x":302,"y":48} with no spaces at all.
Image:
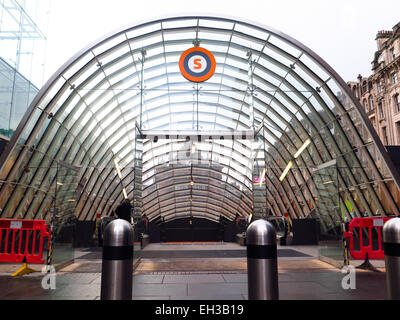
{"x":379,"y":93}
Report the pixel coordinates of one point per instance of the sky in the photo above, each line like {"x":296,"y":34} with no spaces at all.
{"x":342,"y":32}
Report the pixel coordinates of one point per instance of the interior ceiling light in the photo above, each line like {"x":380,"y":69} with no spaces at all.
{"x":285,"y":172}
{"x":124,"y":193}
{"x":303,"y":147}
{"x":296,"y":155}
{"x":117,"y":168}
{"x":262,"y":177}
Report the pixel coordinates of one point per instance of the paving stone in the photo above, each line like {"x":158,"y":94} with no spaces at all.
{"x":217,"y":289}
{"x":235,"y":278}
{"x":303,"y":288}
{"x":195,"y":278}
{"x":148,"y":278}
{"x":152,"y":298}
{"x":79,"y":278}
{"x":242,"y":278}
{"x":78,"y":291}
{"x":150,"y":289}
{"x":198,"y":279}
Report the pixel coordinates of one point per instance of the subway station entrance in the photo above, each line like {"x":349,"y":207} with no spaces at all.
{"x":204,"y":123}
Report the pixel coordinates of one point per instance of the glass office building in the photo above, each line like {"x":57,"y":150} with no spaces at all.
{"x":16,"y":93}
{"x":22,"y":44}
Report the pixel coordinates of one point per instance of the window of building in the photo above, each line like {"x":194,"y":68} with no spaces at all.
{"x":396,"y":101}
{"x":355,"y":91}
{"x":380,"y":85}
{"x":364,"y":87}
{"x":385,"y":136}
{"x":373,"y":124}
{"x":398,"y":132}
{"x":380,"y":110}
{"x":392,"y":54}
{"x":394,"y":78}
{"x":365,"y":103}
{"x":369,"y":86}
{"x":371,"y":103}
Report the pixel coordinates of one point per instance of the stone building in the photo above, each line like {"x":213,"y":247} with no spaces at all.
{"x":379,"y":93}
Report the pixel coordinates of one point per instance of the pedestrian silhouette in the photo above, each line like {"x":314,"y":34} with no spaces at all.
{"x":123,"y":211}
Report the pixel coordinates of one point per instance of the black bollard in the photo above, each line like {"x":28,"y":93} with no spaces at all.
{"x":117,"y":267}
{"x":262,"y":264}
{"x":391,"y":245}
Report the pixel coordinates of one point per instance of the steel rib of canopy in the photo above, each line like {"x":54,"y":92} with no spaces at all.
{"x":86,"y":115}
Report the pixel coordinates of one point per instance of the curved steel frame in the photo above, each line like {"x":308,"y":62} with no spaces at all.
{"x":99,"y":95}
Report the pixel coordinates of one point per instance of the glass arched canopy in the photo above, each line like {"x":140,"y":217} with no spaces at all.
{"x":119,"y":120}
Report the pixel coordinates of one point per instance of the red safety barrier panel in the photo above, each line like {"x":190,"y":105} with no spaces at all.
{"x":366,"y":223}
{"x":23,"y":238}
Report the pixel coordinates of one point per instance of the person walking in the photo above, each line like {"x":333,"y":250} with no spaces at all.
{"x":123,"y":211}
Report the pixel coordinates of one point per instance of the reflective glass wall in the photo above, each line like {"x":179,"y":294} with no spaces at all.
{"x":23,"y":28}
{"x":16,"y":93}
{"x":22,"y":43}
{"x":65,"y":187}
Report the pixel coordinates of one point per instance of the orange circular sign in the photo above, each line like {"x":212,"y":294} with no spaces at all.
{"x":197,"y":64}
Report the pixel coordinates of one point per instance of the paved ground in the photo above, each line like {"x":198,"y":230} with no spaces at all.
{"x":198,"y":276}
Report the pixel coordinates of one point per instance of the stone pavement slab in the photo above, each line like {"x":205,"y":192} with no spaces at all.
{"x":197,"y":279}
{"x":216,"y":289}
{"x":297,"y":286}
{"x":150,"y":289}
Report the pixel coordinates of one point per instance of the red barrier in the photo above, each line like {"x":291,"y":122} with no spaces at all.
{"x":366,"y":223}
{"x":18,"y":239}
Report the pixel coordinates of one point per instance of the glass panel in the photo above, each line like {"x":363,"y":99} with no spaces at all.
{"x":64,"y":186}
{"x":329,"y":213}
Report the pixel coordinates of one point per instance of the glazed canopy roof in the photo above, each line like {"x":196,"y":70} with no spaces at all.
{"x":90,"y":114}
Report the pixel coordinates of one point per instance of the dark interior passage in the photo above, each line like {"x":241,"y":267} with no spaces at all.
{"x":193,"y":230}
